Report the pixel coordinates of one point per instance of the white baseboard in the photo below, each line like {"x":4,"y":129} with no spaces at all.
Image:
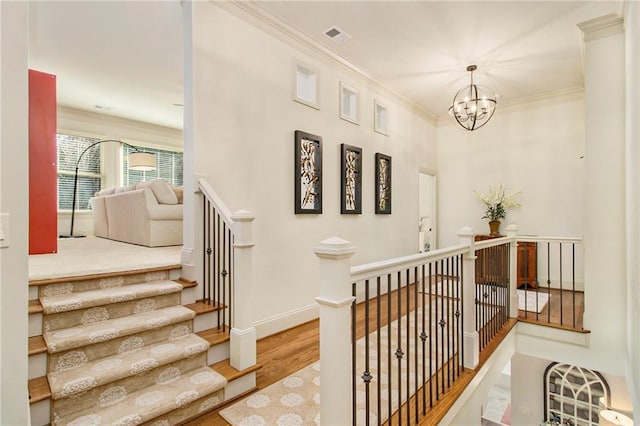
{"x":284,"y":321}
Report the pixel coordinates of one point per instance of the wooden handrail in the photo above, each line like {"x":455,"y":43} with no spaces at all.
{"x":215,"y":200}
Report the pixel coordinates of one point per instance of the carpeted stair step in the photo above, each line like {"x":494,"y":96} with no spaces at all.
{"x":70,"y":359}
{"x":78,"y":317}
{"x":76,"y":337}
{"x":116,"y":391}
{"x":105,"y":296}
{"x":152,"y":402}
{"x":115,"y":367}
{"x":79,"y":284}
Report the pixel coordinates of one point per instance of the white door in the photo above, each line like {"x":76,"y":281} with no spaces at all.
{"x":427,"y":212}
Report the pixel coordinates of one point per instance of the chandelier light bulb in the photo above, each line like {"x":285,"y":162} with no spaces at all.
{"x":473,"y":105}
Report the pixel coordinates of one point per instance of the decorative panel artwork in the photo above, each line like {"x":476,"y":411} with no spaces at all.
{"x":350,"y":180}
{"x":383,"y":184}
{"x":308,"y":173}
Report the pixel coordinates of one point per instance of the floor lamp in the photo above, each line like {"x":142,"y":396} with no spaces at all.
{"x":138,"y":160}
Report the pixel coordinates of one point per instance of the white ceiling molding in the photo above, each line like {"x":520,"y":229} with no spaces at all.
{"x":291,"y":36}
{"x":602,"y":26}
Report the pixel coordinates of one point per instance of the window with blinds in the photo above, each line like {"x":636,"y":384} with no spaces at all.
{"x":168,"y":168}
{"x":89,"y":172}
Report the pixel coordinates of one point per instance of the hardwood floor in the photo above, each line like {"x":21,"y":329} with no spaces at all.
{"x":564,"y":310}
{"x":291,"y":350}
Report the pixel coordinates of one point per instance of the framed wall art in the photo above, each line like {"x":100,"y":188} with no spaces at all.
{"x":383,"y":184}
{"x":308,"y":173}
{"x":350,"y":179}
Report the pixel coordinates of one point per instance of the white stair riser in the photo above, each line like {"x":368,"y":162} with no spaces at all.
{"x":33,"y":292}
{"x":218,"y":353}
{"x":189,"y":295}
{"x":35,"y":325}
{"x":40,"y":412}
{"x":240,"y":385}
{"x":206,"y":321}
{"x":175,"y":274}
{"x":37,"y":365}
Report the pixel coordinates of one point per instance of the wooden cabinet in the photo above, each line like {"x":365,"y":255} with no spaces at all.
{"x":527,"y":265}
{"x":492,"y":264}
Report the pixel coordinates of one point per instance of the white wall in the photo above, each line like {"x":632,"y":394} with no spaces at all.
{"x":535,"y":147}
{"x":14,"y":187}
{"x":527,"y":390}
{"x":103,"y":126}
{"x":244,"y":122}
{"x":632,"y":62}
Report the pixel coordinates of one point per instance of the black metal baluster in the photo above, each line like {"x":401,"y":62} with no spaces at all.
{"x":435,"y":314}
{"x":423,"y":337}
{"x":206,"y":244}
{"x":461,"y":309}
{"x":431,"y":282}
{"x":231,"y":277}
{"x":354,"y":351}
{"x":408,"y":345}
{"x":447,"y":320}
{"x":548,"y":282}
{"x":561,"y":304}
{"x":573,"y":281}
{"x":366,"y":375}
{"x":389,"y":368}
{"x":224,"y":275}
{"x":378,"y":347}
{"x":415,"y":341}
{"x":399,"y":352}
{"x":441,"y":324}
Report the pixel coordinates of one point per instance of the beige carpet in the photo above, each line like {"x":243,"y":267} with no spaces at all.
{"x":92,"y":255}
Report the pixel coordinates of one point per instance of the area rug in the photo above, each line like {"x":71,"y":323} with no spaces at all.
{"x":532,"y":301}
{"x":295,"y":400}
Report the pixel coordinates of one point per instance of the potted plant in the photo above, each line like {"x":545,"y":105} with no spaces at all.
{"x":497,"y":201}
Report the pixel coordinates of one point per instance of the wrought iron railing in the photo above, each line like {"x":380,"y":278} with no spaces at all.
{"x":554,"y":294}
{"x":407,"y":345}
{"x":217,"y":257}
{"x":492,"y":280}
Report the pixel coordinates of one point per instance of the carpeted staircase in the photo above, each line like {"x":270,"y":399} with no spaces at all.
{"x":122,"y":351}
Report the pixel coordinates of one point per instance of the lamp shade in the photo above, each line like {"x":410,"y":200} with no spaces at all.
{"x":615,"y":418}
{"x":143,"y":161}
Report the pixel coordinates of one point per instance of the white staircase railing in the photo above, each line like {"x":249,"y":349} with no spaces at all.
{"x":227,"y":277}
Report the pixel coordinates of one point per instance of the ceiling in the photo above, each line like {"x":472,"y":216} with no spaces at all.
{"x":125,"y":58}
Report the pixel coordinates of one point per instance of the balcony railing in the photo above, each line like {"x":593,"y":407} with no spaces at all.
{"x":407,"y":328}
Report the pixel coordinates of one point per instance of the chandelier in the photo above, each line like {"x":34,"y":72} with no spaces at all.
{"x":474,"y":105}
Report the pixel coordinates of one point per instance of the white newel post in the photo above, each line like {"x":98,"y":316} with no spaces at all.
{"x":512,"y":232}
{"x":335,"y":301}
{"x":243,"y":333}
{"x":470,"y":335}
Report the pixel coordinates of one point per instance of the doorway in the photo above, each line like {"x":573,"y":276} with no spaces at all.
{"x":427,"y":212}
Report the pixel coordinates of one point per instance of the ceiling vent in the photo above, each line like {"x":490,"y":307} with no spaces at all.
{"x":337,"y":35}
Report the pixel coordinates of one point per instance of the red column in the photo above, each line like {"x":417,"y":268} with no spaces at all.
{"x":43,"y":187}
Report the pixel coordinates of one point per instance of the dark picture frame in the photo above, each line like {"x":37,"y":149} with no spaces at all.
{"x":350,"y":179}
{"x":307,"y":173}
{"x":383,"y":183}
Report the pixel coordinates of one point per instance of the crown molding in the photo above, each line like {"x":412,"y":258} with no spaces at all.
{"x":296,"y":38}
{"x":602,"y":26}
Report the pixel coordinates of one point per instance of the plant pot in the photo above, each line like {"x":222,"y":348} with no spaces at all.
{"x":494,"y":227}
